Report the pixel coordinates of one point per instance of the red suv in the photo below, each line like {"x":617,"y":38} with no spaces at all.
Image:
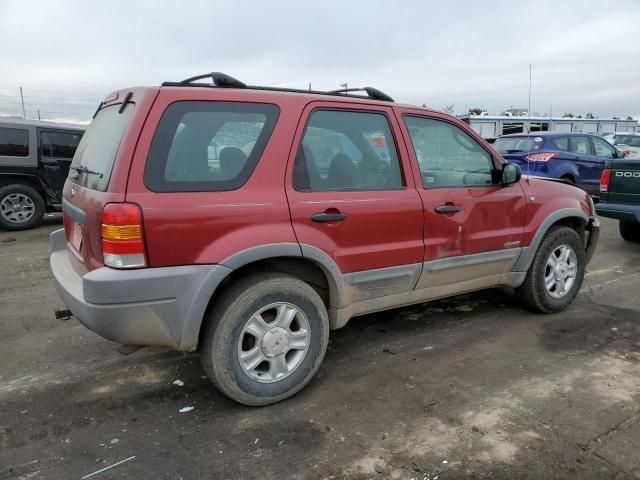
{"x":246,"y":222}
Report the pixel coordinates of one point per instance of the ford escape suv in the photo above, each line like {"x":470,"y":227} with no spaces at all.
{"x":246,"y":222}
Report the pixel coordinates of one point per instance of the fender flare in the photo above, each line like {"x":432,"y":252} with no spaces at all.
{"x":209,"y":284}
{"x":526,"y":255}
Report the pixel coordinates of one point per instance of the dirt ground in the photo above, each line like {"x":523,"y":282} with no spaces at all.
{"x":472,"y":387}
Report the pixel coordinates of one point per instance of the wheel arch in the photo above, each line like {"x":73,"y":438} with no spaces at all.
{"x":570,"y":217}
{"x":32,"y":181}
{"x":315,"y":268}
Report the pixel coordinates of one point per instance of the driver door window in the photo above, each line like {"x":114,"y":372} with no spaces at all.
{"x":602,"y":148}
{"x":448,"y":157}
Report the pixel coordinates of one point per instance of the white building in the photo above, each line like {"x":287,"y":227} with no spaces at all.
{"x":491,"y":127}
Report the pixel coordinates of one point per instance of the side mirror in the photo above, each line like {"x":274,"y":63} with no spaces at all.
{"x":511,"y":174}
{"x":619,"y":154}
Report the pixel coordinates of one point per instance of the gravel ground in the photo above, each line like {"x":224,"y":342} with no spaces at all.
{"x":471,"y":387}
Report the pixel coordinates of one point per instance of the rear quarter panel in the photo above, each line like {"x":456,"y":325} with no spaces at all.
{"x":183,"y":228}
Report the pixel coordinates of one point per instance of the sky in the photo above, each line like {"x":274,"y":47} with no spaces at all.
{"x":69,"y":54}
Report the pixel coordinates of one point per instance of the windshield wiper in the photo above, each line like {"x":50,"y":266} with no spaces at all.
{"x":83,"y":169}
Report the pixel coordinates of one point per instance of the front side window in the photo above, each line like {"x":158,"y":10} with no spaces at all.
{"x":448,"y":157}
{"x":208,"y":146}
{"x":14,"y":142}
{"x":579,"y":145}
{"x":347,"y":150}
{"x":59,"y":144}
{"x":603,"y":148}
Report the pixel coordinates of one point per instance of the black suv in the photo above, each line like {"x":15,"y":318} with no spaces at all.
{"x":34,"y":164}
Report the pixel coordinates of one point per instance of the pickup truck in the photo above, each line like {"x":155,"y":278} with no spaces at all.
{"x":620,"y":196}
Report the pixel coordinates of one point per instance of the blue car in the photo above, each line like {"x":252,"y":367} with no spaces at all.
{"x":577,"y":158}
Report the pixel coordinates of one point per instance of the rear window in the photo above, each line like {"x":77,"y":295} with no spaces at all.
{"x":14,"y":142}
{"x":93,"y":161}
{"x":517,"y":144}
{"x":208,"y":146}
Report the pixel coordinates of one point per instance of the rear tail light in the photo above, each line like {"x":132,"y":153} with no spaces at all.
{"x":541,"y":157}
{"x":122,"y":242}
{"x":605,"y":179}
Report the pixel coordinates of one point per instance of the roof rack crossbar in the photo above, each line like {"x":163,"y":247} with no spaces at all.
{"x":219,"y":79}
{"x":226,"y":81}
{"x":372,"y":92}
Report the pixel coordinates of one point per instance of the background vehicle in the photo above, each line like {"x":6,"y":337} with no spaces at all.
{"x":628,"y":143}
{"x":318,"y":206}
{"x":620,"y":196}
{"x":34,"y":164}
{"x":574,"y":157}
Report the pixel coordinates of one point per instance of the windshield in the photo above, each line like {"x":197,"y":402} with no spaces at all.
{"x":517,"y":144}
{"x":93,"y":161}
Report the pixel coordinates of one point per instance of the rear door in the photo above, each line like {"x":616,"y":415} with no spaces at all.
{"x":56,"y":149}
{"x":352,"y":196}
{"x":474,"y":226}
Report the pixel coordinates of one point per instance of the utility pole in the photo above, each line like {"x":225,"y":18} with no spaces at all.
{"x":38,"y":114}
{"x":529,"y":108}
{"x":309,"y":86}
{"x":24,"y":114}
{"x":345,"y":86}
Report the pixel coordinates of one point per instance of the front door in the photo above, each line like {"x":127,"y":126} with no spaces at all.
{"x":589,"y":166}
{"x":474,"y":226}
{"x":352,"y":197}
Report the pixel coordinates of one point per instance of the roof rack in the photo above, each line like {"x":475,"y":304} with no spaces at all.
{"x":222,"y":80}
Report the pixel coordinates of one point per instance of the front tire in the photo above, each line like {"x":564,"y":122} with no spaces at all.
{"x":265,"y":338}
{"x":21,"y":207}
{"x":556,"y":273}
{"x":630,"y":231}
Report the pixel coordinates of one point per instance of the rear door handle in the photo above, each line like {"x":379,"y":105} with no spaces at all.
{"x":324,"y":217}
{"x":448,"y":208}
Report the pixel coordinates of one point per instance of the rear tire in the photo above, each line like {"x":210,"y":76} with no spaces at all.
{"x":21,"y":207}
{"x":549,"y":289}
{"x":254,"y":347}
{"x":630,"y":231}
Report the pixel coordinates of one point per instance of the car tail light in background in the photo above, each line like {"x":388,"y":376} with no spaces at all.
{"x":122,"y":242}
{"x":541,"y":157}
{"x":605,"y":179}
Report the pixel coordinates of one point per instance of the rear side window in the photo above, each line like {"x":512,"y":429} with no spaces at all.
{"x":14,"y":142}
{"x":561,"y":143}
{"x":517,"y":144}
{"x":59,"y":144}
{"x":208,"y":146}
{"x":93,"y":161}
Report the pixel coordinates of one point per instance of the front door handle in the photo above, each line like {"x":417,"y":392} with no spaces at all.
{"x":448,"y":208}
{"x":325,"y":217}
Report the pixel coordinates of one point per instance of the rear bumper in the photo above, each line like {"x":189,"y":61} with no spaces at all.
{"x":151,"y":306}
{"x":619,"y":211}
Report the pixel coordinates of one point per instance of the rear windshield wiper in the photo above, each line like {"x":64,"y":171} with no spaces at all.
{"x":83,"y":169}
